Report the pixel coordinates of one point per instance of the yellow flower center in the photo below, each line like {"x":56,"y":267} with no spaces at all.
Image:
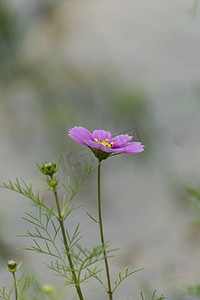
{"x":104,"y":142}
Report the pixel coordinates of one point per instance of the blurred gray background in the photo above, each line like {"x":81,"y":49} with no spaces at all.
{"x":123,"y":66}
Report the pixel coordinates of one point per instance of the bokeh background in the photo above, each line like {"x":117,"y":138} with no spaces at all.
{"x":125,"y":66}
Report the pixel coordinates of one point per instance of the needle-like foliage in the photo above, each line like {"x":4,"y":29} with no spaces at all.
{"x":151,"y":295}
{"x":4,"y":295}
{"x":45,"y":233}
{"x":50,"y":236}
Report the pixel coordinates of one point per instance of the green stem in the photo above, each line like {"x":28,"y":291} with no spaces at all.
{"x":60,"y":219}
{"x":109,"y":291}
{"x":15,"y":284}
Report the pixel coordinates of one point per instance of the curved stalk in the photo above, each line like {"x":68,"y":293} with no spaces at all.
{"x":109,"y":290}
{"x":60,"y":219}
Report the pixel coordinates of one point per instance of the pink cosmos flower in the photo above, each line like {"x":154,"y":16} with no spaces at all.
{"x":102,"y":144}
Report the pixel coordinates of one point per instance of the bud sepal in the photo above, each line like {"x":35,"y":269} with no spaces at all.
{"x":48,"y":168}
{"x":13,"y":266}
{"x":52,"y":183}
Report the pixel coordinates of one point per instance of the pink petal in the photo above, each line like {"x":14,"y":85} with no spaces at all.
{"x":98,"y":146}
{"x":101,"y":135}
{"x":80,"y":135}
{"x":130,"y":148}
{"x":121,"y":140}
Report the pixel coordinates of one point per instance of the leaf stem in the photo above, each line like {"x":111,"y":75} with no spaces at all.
{"x":60,"y":219}
{"x":15,"y":284}
{"x":109,"y":291}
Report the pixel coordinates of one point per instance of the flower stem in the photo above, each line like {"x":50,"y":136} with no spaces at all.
{"x":109,"y":291}
{"x":60,"y":219}
{"x":15,"y":284}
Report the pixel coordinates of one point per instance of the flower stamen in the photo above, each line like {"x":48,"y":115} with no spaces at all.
{"x":104,"y":142}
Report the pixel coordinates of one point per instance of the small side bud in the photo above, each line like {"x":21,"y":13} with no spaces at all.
{"x":52,"y":182}
{"x":12,"y":266}
{"x":47,"y":288}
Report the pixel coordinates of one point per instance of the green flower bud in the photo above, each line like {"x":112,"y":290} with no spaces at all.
{"x":49,"y":168}
{"x":47,"y":288}
{"x":12,"y":265}
{"x":52,"y":182}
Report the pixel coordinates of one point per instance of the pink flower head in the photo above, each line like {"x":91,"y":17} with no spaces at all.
{"x":102,"y":144}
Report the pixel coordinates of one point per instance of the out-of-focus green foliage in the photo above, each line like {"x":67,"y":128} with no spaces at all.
{"x":194,"y":9}
{"x":10,"y":39}
{"x":130,"y":102}
{"x":193,"y":291}
{"x":194,"y":203}
{"x":9,"y":29}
